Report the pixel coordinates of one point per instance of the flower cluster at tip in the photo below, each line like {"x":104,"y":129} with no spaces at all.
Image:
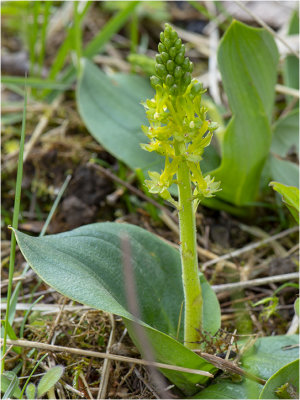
{"x":172,"y":68}
{"x":178,"y":128}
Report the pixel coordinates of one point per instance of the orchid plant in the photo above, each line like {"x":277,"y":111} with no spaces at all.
{"x":86,"y":264}
{"x":179,"y":131}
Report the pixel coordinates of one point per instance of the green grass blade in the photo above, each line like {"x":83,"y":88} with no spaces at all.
{"x":109,"y":30}
{"x":64,"y":51}
{"x":32,"y":372}
{"x":61,"y":56}
{"x":77,"y":37}
{"x":134,"y":33}
{"x":211,"y":17}
{"x":33,"y":34}
{"x":11,"y":334}
{"x":11,"y":388}
{"x":55,"y":204}
{"x":34,"y":82}
{"x":13,"y":302}
{"x":97,"y":44}
{"x":41,"y":57}
{"x":26,"y":316}
{"x":203,"y":10}
{"x":14,"y":225}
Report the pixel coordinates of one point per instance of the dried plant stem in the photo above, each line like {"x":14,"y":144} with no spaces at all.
{"x":88,"y":353}
{"x":251,"y":246}
{"x":255,"y":282}
{"x":230,"y":367}
{"x":107,"y":363}
{"x":192,"y":290}
{"x":266,"y":26}
{"x":130,"y":187}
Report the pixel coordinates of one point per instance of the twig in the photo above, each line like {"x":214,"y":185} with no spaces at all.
{"x":36,"y":294}
{"x":45,"y":307}
{"x":266,"y":26}
{"x":199,"y":41}
{"x":71,"y":389}
{"x":96,"y":354}
{"x":287,"y":90}
{"x":229,"y":366}
{"x":7,"y":351}
{"x":289,"y":107}
{"x":255,"y":282}
{"x":279,"y":250}
{"x":251,"y":246}
{"x":86,"y":385}
{"x":169,"y":222}
{"x":43,"y":122}
{"x":293,"y":250}
{"x":112,"y":62}
{"x":200,"y":250}
{"x":56,"y":321}
{"x":124,"y":377}
{"x":107,"y":363}
{"x":18,"y":108}
{"x":294,"y":327}
{"x":15,"y":279}
{"x":230,"y":346}
{"x":133,"y":189}
{"x":139,"y":375}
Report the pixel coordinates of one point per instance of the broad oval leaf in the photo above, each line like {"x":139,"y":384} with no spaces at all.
{"x":86,"y":265}
{"x":111,"y":110}
{"x":263,"y":359}
{"x":248,"y":60}
{"x":284,"y":384}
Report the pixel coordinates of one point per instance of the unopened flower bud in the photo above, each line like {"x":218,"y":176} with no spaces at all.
{"x":179,"y":59}
{"x":173,"y":52}
{"x":169,"y":80}
{"x":161,"y":70}
{"x":164,"y":56}
{"x":170,"y":66}
{"x":161,"y":47}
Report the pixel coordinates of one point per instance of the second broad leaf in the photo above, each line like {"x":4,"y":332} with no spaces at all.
{"x":248,"y":60}
{"x":110,"y":109}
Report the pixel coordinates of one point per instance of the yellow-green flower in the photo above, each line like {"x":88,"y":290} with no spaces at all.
{"x":178,"y":127}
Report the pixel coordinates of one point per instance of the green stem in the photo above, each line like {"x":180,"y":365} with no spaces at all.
{"x":189,"y":260}
{"x":15,"y":226}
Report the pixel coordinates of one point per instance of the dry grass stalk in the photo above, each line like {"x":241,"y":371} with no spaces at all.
{"x":251,"y":246}
{"x":96,"y":354}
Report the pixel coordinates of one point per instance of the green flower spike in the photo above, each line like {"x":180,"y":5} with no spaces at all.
{"x":179,"y":131}
{"x":178,"y":128}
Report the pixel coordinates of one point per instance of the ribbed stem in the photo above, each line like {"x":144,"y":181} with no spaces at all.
{"x":189,"y":259}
